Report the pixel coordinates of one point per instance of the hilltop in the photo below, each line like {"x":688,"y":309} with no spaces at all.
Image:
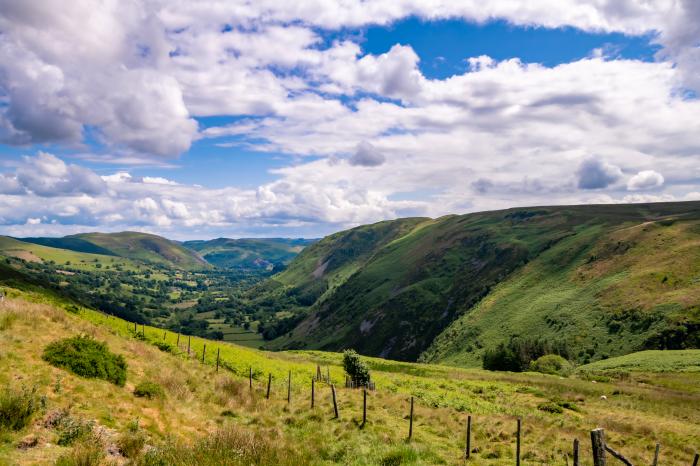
{"x":601,"y":280}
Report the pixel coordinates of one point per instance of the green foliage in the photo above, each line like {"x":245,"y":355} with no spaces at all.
{"x":647,"y":361}
{"x":356,"y":368}
{"x":550,"y":407}
{"x":17,"y":407}
{"x":86,"y":357}
{"x":149,"y":390}
{"x":163,"y":346}
{"x":551,"y":364}
{"x":518,"y":354}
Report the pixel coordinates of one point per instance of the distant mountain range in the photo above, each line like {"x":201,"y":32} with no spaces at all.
{"x":189,"y":255}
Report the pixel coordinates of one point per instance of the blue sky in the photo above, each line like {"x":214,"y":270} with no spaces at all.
{"x":284,"y":126}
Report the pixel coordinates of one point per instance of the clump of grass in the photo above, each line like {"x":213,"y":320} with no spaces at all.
{"x":401,"y":455}
{"x":86,"y":357}
{"x":231,"y":446}
{"x":149,"y":390}
{"x":7,"y":319}
{"x":17,"y":407}
{"x":88,"y":452}
{"x":131,"y":442}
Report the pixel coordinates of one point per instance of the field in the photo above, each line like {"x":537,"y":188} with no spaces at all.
{"x":639,"y":409}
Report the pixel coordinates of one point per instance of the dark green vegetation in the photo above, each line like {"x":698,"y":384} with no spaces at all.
{"x":598,"y":281}
{"x":356,"y":369}
{"x":86,"y":357}
{"x":267,"y":253}
{"x":148,"y":389}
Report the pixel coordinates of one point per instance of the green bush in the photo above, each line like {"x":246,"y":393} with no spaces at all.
{"x":517,"y":354}
{"x":550,"y":407}
{"x":149,"y":390}
{"x":551,"y":364}
{"x":17,"y":407}
{"x":356,"y":368}
{"x":86,"y":357}
{"x":163,"y":346}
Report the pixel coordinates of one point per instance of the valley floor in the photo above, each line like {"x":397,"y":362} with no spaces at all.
{"x":204,"y":412}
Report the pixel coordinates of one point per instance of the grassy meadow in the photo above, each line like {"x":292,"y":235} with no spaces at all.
{"x":207,"y":417}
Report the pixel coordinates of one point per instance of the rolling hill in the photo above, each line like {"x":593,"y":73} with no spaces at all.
{"x":602,"y":280}
{"x":248,"y":252}
{"x":130,"y":245}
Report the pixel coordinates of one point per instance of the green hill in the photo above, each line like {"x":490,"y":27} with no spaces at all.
{"x":649,"y":361}
{"x":603,"y":280}
{"x":248,"y":252}
{"x":143,"y":247}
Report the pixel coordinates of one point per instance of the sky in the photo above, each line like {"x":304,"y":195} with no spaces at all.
{"x":222,"y":118}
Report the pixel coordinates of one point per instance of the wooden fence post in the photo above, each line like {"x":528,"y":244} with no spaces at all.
{"x":364,"y":407}
{"x":178,"y":341}
{"x":517,"y":444}
{"x":328,"y":374}
{"x":697,"y":458}
{"x":312,"y":393}
{"x":143,"y":330}
{"x":218,"y":353}
{"x":204,"y":351}
{"x":135,"y":327}
{"x":250,"y":377}
{"x":289,"y":387}
{"x":189,"y":339}
{"x":335,"y":403}
{"x":656,"y":455}
{"x":598,"y":444}
{"x":576,"y":452}
{"x":468,"y":449}
{"x":163,"y":335}
{"x":410,"y":421}
{"x":269,"y":381}
{"x":318,"y":372}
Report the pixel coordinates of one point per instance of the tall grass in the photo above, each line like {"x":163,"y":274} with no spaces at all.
{"x":17,"y":407}
{"x":228,"y":446}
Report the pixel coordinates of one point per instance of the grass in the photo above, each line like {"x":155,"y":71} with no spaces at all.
{"x":204,"y":413}
{"x":649,"y":361}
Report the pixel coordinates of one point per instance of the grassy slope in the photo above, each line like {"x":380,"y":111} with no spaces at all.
{"x":605,"y":292}
{"x":253,"y":252}
{"x":649,"y":361}
{"x":145,"y":247}
{"x":36,"y":252}
{"x":635,"y":415}
{"x":409,"y":290}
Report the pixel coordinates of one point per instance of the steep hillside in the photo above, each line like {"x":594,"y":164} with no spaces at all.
{"x":248,"y":252}
{"x":144,"y":247}
{"x":590,"y":276}
{"x":198,"y":415}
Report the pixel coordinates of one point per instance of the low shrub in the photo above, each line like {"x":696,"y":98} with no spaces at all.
{"x":149,"y":390}
{"x":86,"y":357}
{"x":17,"y":407}
{"x":163,"y":346}
{"x":517,"y":354}
{"x":551,"y":364}
{"x":71,"y":430}
{"x":550,"y":407}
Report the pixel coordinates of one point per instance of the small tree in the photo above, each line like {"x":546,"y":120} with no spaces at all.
{"x":356,"y":368}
